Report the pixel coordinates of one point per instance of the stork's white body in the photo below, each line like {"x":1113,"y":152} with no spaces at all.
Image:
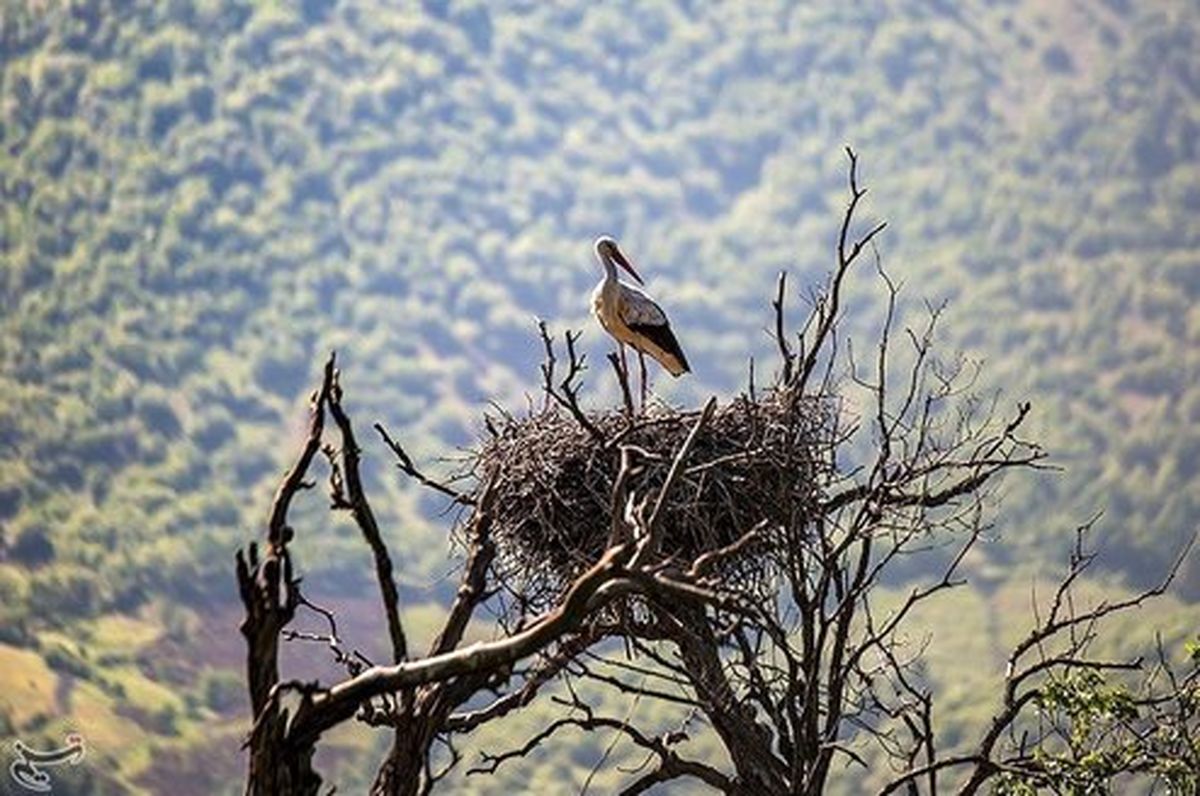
{"x":618,"y":305}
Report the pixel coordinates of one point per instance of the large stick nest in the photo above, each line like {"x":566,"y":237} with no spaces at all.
{"x":755,"y":464}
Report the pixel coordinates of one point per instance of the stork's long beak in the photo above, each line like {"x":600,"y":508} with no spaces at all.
{"x":619,"y":257}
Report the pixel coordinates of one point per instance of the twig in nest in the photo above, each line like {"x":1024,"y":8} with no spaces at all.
{"x":566,"y":392}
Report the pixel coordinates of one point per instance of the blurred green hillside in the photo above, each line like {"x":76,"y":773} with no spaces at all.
{"x":200,"y":198}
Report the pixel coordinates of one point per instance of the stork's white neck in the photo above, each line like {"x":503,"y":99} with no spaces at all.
{"x":610,"y":268}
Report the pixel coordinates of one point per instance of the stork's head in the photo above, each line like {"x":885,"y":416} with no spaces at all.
{"x":607,"y":251}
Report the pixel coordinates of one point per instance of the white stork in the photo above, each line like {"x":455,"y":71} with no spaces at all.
{"x":632,"y":317}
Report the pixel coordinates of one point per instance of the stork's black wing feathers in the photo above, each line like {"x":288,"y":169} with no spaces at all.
{"x":661,"y":335}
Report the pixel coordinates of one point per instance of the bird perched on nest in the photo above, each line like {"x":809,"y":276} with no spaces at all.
{"x":632,"y":318}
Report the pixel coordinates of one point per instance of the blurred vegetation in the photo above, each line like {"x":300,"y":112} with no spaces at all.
{"x":198,"y":198}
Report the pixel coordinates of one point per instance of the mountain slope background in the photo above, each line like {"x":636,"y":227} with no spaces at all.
{"x":199,"y":199}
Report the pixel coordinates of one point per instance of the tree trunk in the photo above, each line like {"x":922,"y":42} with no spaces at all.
{"x":277,"y":769}
{"x":760,"y":772}
{"x":404,"y":773}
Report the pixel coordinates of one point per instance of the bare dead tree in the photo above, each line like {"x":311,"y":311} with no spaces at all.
{"x":736,"y":552}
